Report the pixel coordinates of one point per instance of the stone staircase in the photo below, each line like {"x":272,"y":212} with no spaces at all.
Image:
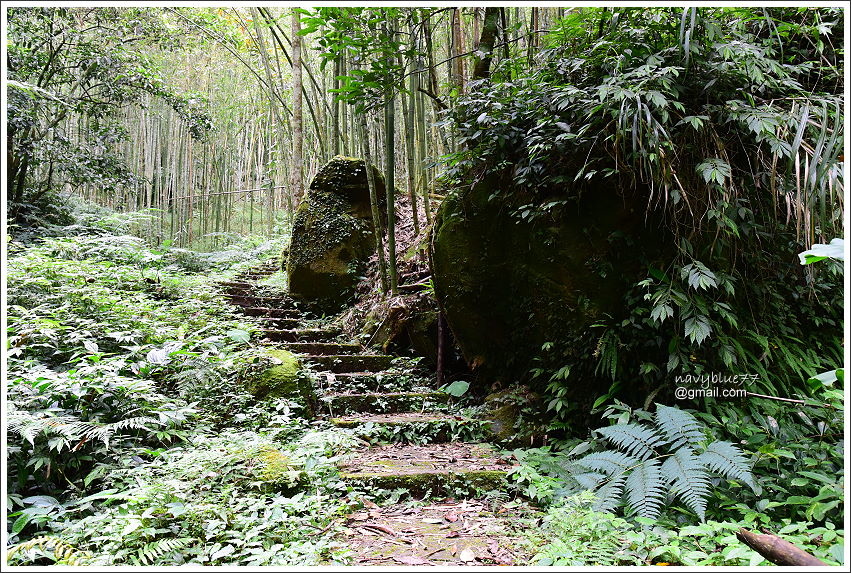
{"x":418,"y":441}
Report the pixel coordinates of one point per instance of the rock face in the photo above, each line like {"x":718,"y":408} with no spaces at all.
{"x":332,"y":236}
{"x":508,"y":286}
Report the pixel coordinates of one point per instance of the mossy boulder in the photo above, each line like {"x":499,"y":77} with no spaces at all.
{"x":333,"y":234}
{"x":276,"y":373}
{"x":514,"y":415}
{"x":508,"y":285}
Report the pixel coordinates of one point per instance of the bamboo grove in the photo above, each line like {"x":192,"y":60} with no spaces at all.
{"x":279,"y":99}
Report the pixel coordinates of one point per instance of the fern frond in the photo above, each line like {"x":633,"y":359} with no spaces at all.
{"x":645,"y":489}
{"x":609,"y":462}
{"x":589,"y":480}
{"x":609,"y":495}
{"x":57,"y":549}
{"x":136,"y":423}
{"x":154,"y":550}
{"x":688,"y":478}
{"x":728,"y":460}
{"x":680,"y":427}
{"x":634,"y":439}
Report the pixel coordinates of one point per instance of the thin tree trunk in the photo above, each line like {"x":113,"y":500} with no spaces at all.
{"x":296,"y":173}
{"x":335,"y":110}
{"x":457,"y":50}
{"x":390,"y":170}
{"x":486,"y":42}
{"x":373,"y":201}
{"x":408,"y":117}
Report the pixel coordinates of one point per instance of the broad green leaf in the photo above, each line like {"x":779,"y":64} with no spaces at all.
{"x":238,"y":335}
{"x":457,"y":388}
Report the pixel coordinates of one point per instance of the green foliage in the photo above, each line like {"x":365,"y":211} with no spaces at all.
{"x":819,"y":252}
{"x":573,"y":533}
{"x":652,"y":465}
{"x":707,"y":114}
{"x":85,"y":63}
{"x":351,"y":31}
{"x":129,"y":440}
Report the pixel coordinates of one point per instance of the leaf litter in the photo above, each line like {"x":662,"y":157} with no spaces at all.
{"x":467,"y":532}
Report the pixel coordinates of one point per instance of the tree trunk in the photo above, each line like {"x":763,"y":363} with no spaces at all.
{"x":457,"y":50}
{"x":486,"y":43}
{"x":777,"y":550}
{"x":373,"y":201}
{"x":390,"y":169}
{"x":408,"y":116}
{"x":298,"y":142}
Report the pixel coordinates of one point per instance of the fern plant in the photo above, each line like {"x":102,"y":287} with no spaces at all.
{"x":652,"y":464}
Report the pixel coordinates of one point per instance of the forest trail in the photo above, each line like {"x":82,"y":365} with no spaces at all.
{"x":419,"y":443}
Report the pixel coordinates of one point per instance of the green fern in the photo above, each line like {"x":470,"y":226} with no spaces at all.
{"x":645,"y":489}
{"x":688,"y":478}
{"x":635,"y":439}
{"x":680,"y":428}
{"x":62,"y":552}
{"x":652,"y":465}
{"x":151,"y":552}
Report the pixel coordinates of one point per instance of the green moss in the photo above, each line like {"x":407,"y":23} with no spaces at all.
{"x":273,"y":373}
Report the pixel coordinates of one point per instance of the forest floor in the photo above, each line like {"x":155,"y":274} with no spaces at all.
{"x":416,"y":449}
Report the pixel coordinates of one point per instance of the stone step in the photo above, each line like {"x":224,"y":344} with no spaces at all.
{"x":414,"y":427}
{"x":286,"y":324}
{"x":446,"y":533}
{"x":432,"y":469}
{"x":323,"y":348}
{"x":300,"y":334}
{"x":351,"y":362}
{"x":266,"y":312}
{"x":369,"y":382}
{"x":256,"y":275}
{"x":236,"y":284}
{"x":254,"y":301}
{"x":387,"y":402}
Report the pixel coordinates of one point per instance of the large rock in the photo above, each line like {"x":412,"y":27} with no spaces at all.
{"x":332,"y":236}
{"x":508,"y":286}
{"x":268,"y":373}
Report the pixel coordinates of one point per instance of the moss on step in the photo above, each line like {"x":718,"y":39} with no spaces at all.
{"x":326,"y":348}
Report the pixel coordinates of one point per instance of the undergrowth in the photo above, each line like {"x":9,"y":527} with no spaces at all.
{"x":131,"y":442}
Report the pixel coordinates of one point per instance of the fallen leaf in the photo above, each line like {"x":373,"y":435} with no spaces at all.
{"x":369,"y":504}
{"x":360,"y":516}
{"x":412,"y":560}
{"x":380,"y":528}
{"x":432,"y":520}
{"x":453,"y":534}
{"x":467,"y":555}
{"x":451,"y":517}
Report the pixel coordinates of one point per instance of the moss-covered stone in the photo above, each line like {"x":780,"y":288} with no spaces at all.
{"x":507,"y":285}
{"x":333,"y":234}
{"x":273,"y":373}
{"x":514,"y":415}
